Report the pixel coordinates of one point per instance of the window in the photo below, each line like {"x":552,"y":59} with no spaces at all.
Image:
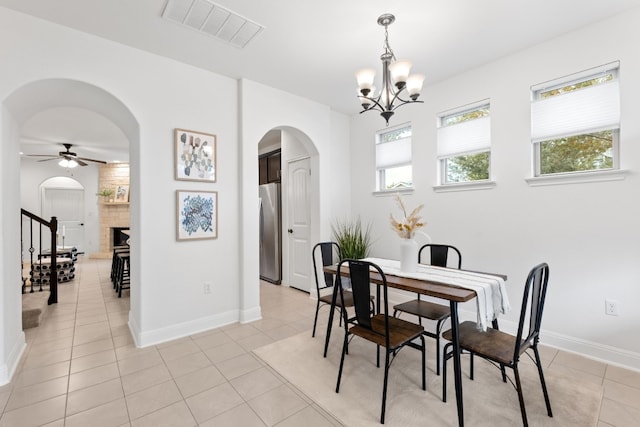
{"x":464,"y":144}
{"x":575,"y":122}
{"x":393,"y":159}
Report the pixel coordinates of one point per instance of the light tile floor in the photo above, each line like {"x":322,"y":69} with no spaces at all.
{"x":82,"y":369}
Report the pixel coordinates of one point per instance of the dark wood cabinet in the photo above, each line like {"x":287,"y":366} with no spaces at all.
{"x":262,"y":167}
{"x":273,"y":168}
{"x":269,"y":167}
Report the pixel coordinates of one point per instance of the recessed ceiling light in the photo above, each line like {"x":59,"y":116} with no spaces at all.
{"x":212,"y":19}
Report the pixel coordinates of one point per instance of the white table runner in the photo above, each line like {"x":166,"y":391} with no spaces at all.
{"x":491,"y":292}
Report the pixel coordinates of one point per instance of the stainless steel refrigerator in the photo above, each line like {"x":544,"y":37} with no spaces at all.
{"x":270,"y":236}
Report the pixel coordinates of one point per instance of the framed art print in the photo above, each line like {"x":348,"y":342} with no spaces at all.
{"x":122,"y":194}
{"x":195,"y":154}
{"x":197,"y":215}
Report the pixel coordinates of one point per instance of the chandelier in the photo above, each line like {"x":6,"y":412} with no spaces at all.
{"x":395,"y":80}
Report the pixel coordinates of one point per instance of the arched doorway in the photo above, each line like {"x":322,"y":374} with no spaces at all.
{"x":22,"y":104}
{"x":299,"y":201}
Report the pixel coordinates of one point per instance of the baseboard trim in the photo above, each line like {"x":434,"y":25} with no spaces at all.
{"x":592,"y":350}
{"x":250,"y":315}
{"x":8,"y":369}
{"x":157,"y":336}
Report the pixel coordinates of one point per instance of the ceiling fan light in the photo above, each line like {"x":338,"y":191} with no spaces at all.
{"x":69,"y":164}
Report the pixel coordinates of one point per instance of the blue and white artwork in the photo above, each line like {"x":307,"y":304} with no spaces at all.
{"x":197,"y":215}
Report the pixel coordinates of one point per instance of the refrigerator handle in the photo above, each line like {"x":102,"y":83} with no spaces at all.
{"x":261,"y":223}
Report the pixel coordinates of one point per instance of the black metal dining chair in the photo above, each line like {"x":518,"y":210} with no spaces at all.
{"x":328,"y":253}
{"x":505,"y":350}
{"x":439,"y":256}
{"x":381,"y":329}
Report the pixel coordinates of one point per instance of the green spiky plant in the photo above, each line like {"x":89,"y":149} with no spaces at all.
{"x":105,"y":192}
{"x":353,"y":238}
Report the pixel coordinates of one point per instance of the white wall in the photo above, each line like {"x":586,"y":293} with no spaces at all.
{"x":167,"y":299}
{"x":12,"y":343}
{"x":587,"y":232}
{"x":158,"y":95}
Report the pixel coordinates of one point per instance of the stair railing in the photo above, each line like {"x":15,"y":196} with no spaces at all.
{"x":43,"y":226}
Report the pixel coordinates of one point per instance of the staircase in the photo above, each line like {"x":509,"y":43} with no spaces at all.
{"x":34,"y":307}
{"x":40,"y":277}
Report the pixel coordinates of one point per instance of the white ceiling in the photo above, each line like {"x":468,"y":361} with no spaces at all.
{"x":313,"y":48}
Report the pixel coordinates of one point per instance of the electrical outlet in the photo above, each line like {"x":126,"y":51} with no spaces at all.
{"x":207,"y":287}
{"x":611,"y":307}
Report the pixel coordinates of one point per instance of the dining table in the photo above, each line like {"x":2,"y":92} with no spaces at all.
{"x":437,"y":286}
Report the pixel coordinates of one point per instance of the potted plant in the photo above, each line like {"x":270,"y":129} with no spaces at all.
{"x":105,"y":193}
{"x":354,"y":239}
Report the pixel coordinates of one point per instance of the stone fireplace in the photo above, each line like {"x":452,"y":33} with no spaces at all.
{"x":118,"y":238}
{"x":113,"y":215}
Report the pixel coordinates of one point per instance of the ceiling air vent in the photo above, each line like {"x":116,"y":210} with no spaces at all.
{"x":212,"y":19}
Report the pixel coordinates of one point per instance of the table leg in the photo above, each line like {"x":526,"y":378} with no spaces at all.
{"x":333,"y":306}
{"x":457,"y":371}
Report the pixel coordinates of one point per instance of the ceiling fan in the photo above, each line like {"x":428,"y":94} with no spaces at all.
{"x":67,"y":155}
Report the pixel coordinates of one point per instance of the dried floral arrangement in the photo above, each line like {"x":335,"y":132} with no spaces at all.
{"x":408,"y":225}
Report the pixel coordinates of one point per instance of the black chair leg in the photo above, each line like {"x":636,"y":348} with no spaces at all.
{"x":542,"y":381}
{"x":471,"y":366}
{"x":344,"y":350}
{"x":315,"y":320}
{"x":424,"y":363}
{"x":384,"y":387}
{"x":444,"y":371}
{"x":439,"y":326}
{"x":523,"y":411}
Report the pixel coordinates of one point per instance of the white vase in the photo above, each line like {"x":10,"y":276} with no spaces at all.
{"x":408,"y":256}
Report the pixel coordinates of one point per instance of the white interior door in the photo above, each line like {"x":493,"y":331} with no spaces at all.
{"x":299,"y":229}
{"x":67,"y":205}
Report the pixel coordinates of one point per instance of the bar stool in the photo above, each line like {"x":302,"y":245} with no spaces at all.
{"x":123,"y":280}
{"x":114,"y":262}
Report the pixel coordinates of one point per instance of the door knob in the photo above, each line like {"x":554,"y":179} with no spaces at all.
{"x":290,"y":231}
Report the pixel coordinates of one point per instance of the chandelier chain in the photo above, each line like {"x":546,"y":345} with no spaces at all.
{"x":386,"y":46}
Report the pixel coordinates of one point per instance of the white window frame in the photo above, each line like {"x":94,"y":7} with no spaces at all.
{"x":590,"y":109}
{"x":400,"y":151}
{"x":463,"y":138}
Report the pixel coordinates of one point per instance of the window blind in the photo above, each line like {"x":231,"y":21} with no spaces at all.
{"x":591,"y":109}
{"x":393,"y":153}
{"x":464,"y":138}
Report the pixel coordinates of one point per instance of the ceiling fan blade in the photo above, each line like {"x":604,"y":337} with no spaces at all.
{"x":68,"y":155}
{"x":91,"y":160}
